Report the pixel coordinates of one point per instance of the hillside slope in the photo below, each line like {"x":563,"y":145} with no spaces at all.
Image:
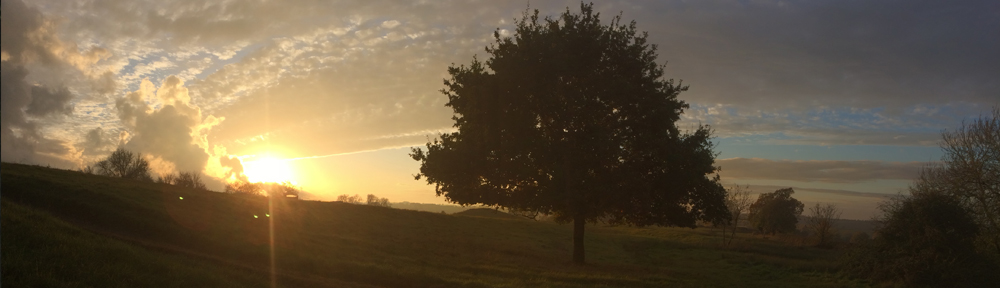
{"x":58,"y":225}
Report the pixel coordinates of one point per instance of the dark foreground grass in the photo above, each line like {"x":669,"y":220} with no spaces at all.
{"x":111,"y":232}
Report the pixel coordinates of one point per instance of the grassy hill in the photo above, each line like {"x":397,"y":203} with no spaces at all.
{"x":69,"y":229}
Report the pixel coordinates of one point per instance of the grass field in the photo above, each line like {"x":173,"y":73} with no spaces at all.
{"x":69,"y":229}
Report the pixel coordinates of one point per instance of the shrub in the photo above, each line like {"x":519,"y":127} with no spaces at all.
{"x":925,"y":240}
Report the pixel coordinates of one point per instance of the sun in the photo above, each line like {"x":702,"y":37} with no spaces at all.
{"x":268,"y":169}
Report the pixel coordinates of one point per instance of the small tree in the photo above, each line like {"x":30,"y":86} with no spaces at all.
{"x":737,"y":201}
{"x":821,"y":222}
{"x":124,"y":164}
{"x":776,"y":212}
{"x":190,"y":180}
{"x":168,"y":178}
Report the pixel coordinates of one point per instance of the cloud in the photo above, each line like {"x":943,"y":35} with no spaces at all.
{"x":822,"y":171}
{"x":22,"y":139}
{"x":173,"y":132}
{"x":46,"y":102}
{"x":97,"y":143}
{"x":336,"y":77}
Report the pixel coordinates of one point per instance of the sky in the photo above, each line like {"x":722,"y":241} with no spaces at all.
{"x":844,"y":101}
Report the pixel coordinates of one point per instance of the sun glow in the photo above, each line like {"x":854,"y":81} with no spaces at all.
{"x":268,"y":170}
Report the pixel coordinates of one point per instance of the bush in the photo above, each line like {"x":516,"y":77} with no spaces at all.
{"x":926,"y":240}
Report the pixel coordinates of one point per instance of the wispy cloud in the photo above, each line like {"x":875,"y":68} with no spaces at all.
{"x":823,"y":171}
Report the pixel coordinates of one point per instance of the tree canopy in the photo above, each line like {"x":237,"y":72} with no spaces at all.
{"x":574,"y":118}
{"x":776,"y":212}
{"x":125,"y":164}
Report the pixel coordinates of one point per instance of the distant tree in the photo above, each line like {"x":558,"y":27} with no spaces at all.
{"x":776,"y":212}
{"x":821,"y":222}
{"x":281,"y":190}
{"x":574,"y":118}
{"x":737,"y":201}
{"x":124,"y":164}
{"x":243,"y":187}
{"x":970,"y":171}
{"x":356,"y":199}
{"x":376,"y":201}
{"x":168,"y":178}
{"x":190,"y":180}
{"x":924,"y":240}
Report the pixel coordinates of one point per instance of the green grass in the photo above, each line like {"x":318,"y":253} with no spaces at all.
{"x":63,"y":228}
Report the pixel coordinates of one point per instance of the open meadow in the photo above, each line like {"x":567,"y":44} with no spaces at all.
{"x":68,"y":229}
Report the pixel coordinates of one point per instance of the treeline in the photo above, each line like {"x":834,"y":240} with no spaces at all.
{"x":779,"y":213}
{"x":125,"y":164}
{"x":372,"y":200}
{"x":945,"y":232}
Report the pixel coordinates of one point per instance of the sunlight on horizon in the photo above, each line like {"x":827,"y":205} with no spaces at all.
{"x":269,"y":169}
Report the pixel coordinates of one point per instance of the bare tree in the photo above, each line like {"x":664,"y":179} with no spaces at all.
{"x":349,"y":199}
{"x":125,"y":164}
{"x":821,"y":222}
{"x":243,"y":187}
{"x":168,"y":178}
{"x":970,"y":170}
{"x":190,"y":180}
{"x":737,"y":201}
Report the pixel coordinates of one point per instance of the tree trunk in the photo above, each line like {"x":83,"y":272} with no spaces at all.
{"x":578,"y":225}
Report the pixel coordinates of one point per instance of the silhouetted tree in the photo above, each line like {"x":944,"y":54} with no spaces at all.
{"x":821,"y":222}
{"x":243,"y":187}
{"x":125,"y":164}
{"x":776,"y":212}
{"x":573,"y":118}
{"x":356,"y":199}
{"x":924,"y":240}
{"x":281,"y":190}
{"x":376,"y":201}
{"x":737,"y":201}
{"x":970,"y":171}
{"x":190,"y":180}
{"x":168,"y":178}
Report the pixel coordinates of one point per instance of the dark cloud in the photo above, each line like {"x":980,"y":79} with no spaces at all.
{"x":97,"y":142}
{"x":21,"y":138}
{"x":46,"y":102}
{"x":894,"y":54}
{"x":823,"y":171}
